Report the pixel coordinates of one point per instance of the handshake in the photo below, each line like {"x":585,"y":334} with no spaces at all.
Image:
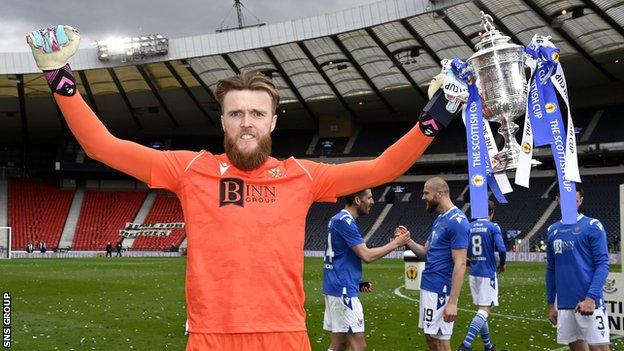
{"x":401,"y":236}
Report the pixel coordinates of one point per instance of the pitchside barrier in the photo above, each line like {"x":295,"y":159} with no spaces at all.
{"x":85,"y":254}
{"x":613,"y":289}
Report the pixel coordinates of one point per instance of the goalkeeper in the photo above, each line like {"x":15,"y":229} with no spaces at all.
{"x":242,"y":196}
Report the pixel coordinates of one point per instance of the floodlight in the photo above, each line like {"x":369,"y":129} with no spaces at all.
{"x":132,"y":48}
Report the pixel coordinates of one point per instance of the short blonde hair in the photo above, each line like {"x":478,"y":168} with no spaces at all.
{"x":247,"y":80}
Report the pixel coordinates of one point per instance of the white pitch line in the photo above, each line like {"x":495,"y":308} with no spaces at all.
{"x":398,"y":293}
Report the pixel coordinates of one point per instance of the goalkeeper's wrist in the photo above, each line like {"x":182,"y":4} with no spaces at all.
{"x":61,"y":81}
{"x":435,"y":116}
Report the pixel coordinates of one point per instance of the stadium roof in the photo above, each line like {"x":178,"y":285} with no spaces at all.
{"x":372,"y":62}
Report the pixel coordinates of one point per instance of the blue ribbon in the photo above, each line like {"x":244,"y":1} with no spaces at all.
{"x":547,"y":124}
{"x":478,"y":159}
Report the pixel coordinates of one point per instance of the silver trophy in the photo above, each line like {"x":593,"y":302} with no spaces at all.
{"x":498,"y":67}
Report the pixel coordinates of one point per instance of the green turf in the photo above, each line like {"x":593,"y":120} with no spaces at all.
{"x":138,"y":304}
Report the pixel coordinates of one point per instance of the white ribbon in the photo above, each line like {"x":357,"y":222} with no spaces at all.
{"x":523,"y":169}
{"x":571,"y":159}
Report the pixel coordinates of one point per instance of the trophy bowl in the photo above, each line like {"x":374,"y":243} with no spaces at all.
{"x":498,"y":67}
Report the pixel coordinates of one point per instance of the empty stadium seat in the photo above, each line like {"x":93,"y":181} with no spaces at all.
{"x":37,"y":211}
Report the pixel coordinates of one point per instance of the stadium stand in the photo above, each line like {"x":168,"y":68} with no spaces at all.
{"x":524,"y":207}
{"x":321,"y":212}
{"x":286,"y":143}
{"x":375,"y":138}
{"x":336,"y":149}
{"x":316,"y":224}
{"x":37,"y":211}
{"x":605,"y":131}
{"x":601,"y":202}
{"x":166,"y":209}
{"x":102,"y":215}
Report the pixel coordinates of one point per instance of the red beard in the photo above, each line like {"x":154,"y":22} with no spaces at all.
{"x":247,"y":161}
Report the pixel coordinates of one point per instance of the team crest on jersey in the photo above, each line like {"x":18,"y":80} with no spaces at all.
{"x":275,"y":172}
{"x":609,"y":286}
{"x":576,"y":230}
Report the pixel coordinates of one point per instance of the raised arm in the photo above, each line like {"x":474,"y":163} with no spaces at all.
{"x":390,"y":165}
{"x":334,"y":180}
{"x":331,"y":181}
{"x":122,"y":155}
{"x":51,"y":49}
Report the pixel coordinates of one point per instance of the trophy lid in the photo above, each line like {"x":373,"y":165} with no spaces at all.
{"x":492,"y":38}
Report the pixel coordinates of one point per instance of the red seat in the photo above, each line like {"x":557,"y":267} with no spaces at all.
{"x":37,"y":211}
{"x":102,"y":215}
{"x":166,"y":209}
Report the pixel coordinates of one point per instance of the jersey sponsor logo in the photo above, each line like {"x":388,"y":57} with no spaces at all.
{"x":234,"y":191}
{"x":563,"y":245}
{"x":609,"y":286}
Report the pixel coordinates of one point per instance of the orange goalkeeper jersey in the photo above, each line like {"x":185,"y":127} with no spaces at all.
{"x":245,"y":229}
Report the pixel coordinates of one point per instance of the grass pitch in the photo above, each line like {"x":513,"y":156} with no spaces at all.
{"x":138,"y":304}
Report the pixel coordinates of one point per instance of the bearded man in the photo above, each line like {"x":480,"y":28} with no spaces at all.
{"x":235,"y":200}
